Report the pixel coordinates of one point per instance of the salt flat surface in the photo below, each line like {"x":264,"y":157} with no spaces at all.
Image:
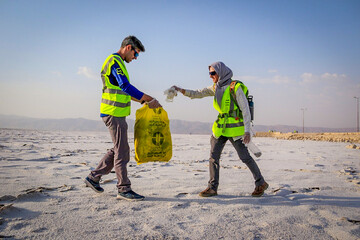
{"x":313,"y":194}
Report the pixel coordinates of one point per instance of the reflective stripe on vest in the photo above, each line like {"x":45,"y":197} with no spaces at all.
{"x":230,"y":121}
{"x":230,"y":125}
{"x":114,"y":102}
{"x":114,"y":91}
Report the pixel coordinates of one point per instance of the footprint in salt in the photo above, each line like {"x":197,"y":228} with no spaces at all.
{"x":17,"y":226}
{"x":39,"y":230}
{"x":166,"y":165}
{"x":180,"y":195}
{"x":283,"y":192}
{"x":352,"y":175}
{"x":179,"y":205}
{"x":136,"y":208}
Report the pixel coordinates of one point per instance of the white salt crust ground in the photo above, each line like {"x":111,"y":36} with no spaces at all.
{"x":313,"y":194}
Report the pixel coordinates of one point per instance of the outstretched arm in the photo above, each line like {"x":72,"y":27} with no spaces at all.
{"x":200,"y":93}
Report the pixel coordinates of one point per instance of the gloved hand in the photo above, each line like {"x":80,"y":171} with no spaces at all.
{"x":170,"y":94}
{"x":179,"y":89}
{"x":154,"y":104}
{"x":176,"y":88}
{"x":247,"y":138}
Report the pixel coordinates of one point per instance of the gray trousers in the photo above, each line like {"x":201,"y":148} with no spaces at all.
{"x":116,"y":157}
{"x":217,"y":145}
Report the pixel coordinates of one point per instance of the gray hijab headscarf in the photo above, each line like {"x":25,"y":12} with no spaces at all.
{"x":225,"y":74}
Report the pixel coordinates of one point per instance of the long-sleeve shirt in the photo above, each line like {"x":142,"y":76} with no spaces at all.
{"x":121,"y":80}
{"x":117,"y":79}
{"x":239,"y":97}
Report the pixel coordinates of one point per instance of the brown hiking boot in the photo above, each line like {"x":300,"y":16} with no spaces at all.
{"x":208,"y":192}
{"x":259,"y":190}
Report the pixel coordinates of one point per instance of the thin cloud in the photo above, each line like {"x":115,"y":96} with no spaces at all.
{"x":325,"y":77}
{"x":307,"y":78}
{"x":272,"y":71}
{"x":329,"y":85}
{"x":56,"y":73}
{"x":87,"y":72}
{"x":278,"y":79}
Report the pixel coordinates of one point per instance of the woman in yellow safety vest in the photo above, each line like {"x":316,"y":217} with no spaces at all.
{"x":233,"y":123}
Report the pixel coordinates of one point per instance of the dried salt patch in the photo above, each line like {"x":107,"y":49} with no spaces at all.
{"x":182,"y":194}
{"x":108,"y":180}
{"x":348,"y":171}
{"x":3,"y":207}
{"x":66,"y":188}
{"x":351,"y":220}
{"x":283,"y":192}
{"x":81,"y":164}
{"x":351,"y":146}
{"x":238,"y":167}
{"x":62,"y":188}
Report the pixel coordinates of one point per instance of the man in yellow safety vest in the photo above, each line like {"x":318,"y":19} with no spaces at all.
{"x":117,"y":94}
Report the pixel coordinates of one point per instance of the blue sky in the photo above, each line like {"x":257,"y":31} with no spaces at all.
{"x":290,"y":54}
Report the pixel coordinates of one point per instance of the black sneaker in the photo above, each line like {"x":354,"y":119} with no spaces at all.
{"x":94,"y":185}
{"x":130,"y":196}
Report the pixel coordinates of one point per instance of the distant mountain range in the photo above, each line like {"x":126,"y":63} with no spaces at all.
{"x":176,"y":126}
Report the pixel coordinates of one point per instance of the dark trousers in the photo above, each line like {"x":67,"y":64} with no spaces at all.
{"x":116,"y":157}
{"x":217,"y":145}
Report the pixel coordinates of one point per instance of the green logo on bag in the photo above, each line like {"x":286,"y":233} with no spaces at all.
{"x":157,"y":110}
{"x":158,"y":138}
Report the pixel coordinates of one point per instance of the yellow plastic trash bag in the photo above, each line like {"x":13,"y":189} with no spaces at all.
{"x":152,"y":135}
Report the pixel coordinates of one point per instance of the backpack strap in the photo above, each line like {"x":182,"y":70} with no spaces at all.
{"x":232,"y":91}
{"x":233,"y":97}
{"x":232,"y":86}
{"x":249,"y":97}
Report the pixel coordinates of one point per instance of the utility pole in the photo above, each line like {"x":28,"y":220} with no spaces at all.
{"x":357,"y":111}
{"x":303,"y":110}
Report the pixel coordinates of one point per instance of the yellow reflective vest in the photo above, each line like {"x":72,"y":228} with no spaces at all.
{"x":114,"y":101}
{"x":230,"y":121}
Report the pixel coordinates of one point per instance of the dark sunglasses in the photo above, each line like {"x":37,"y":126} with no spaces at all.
{"x":212,"y":73}
{"x":136,"y":54}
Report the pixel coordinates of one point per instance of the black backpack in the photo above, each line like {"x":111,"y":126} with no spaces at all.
{"x":249,"y":97}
